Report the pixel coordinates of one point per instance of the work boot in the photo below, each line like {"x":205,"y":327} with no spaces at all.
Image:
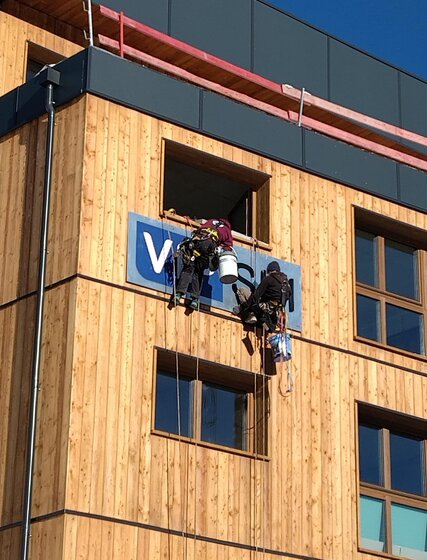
{"x":194,"y":304}
{"x":251,"y":319}
{"x":177,"y":298}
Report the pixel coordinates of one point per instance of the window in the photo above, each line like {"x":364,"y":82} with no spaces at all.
{"x":37,"y":58}
{"x":390,"y":282}
{"x":210,"y":403}
{"x":393,"y":474}
{"x":199,"y":185}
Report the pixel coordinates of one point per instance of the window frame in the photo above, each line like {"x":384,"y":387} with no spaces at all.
{"x":40,"y":55}
{"x":255,"y":385}
{"x":384,"y":229}
{"x":397,"y":422}
{"x":258,"y":183}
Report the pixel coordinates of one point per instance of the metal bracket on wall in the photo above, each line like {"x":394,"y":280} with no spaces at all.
{"x":88,"y":10}
{"x":301,"y":107}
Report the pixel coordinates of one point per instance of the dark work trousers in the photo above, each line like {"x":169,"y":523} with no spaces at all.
{"x":192,"y":273}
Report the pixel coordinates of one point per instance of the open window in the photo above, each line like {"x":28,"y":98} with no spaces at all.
{"x":390,"y":260}
{"x":201,"y":186}
{"x":211,"y":403}
{"x":38,"y":57}
{"x":392,"y":480}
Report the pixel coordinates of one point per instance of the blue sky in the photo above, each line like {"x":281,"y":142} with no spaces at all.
{"x":392,"y":30}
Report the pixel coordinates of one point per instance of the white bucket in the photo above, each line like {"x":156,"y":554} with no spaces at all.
{"x":281,"y":347}
{"x":228,"y":267}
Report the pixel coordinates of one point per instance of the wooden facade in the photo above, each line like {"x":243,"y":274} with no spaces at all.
{"x":106,"y":486}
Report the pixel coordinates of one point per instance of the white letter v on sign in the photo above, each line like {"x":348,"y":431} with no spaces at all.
{"x":158,"y":263}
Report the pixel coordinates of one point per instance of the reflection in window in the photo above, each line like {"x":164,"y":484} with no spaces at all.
{"x":404,"y":329}
{"x":366,"y":258}
{"x":389,"y":306}
{"x":392,"y":480}
{"x":370,"y":454}
{"x":224,"y":414}
{"x":407,"y":458}
{"x":191,"y":403}
{"x":368,"y":317}
{"x":409,"y":531}
{"x":372,"y":523}
{"x":401,"y":264}
{"x":168,"y":394}
{"x":33,"y":68}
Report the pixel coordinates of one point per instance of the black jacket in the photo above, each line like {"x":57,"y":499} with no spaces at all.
{"x":270,"y":288}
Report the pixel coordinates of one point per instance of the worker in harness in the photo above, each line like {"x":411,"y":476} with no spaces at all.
{"x":263,"y":306}
{"x":199,"y":253}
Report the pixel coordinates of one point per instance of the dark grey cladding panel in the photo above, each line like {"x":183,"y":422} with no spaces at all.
{"x":133,"y":85}
{"x":349,"y":165}
{"x":220,"y":27}
{"x":73,"y":77}
{"x":362,"y":83}
{"x":413,"y":187}
{"x":151,"y":12}
{"x":288,"y":51}
{"x":413,"y":100}
{"x":27,"y":102}
{"x":30,"y":101}
{"x":8,"y":112}
{"x":252,"y":129}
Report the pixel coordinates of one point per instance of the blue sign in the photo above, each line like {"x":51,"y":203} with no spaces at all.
{"x":152,"y":243}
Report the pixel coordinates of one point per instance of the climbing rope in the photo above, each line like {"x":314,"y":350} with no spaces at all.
{"x":200,"y":394}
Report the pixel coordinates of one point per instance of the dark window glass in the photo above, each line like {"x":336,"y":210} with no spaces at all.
{"x":224,"y":416}
{"x":33,"y":67}
{"x":407,"y":464}
{"x":370,"y":455}
{"x":404,"y":329}
{"x":366,"y":258}
{"x":167,"y":404}
{"x":368,"y":317}
{"x":401,"y":263}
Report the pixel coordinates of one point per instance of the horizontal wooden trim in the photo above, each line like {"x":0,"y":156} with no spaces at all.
{"x":208,"y":445}
{"x":42,"y":54}
{"x":215,"y":164}
{"x":183,"y":534}
{"x":378,"y":553}
{"x":397,"y":300}
{"x":412,"y":500}
{"x":392,"y":229}
{"x":391,"y":419}
{"x":394,"y":350}
{"x":364,"y":356}
{"x":244,"y":239}
{"x":228,"y":316}
{"x":195,"y":367}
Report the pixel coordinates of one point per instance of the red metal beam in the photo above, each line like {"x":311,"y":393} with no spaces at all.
{"x":268,"y":107}
{"x":122,"y":33}
{"x":193,"y":78}
{"x":192,"y":51}
{"x":349,"y":114}
{"x":288,"y":115}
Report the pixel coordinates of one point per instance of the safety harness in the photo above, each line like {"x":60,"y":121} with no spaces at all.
{"x":203,"y":242}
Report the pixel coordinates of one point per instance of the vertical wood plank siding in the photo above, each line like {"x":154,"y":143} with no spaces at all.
{"x":14,"y":36}
{"x":96,"y":452}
